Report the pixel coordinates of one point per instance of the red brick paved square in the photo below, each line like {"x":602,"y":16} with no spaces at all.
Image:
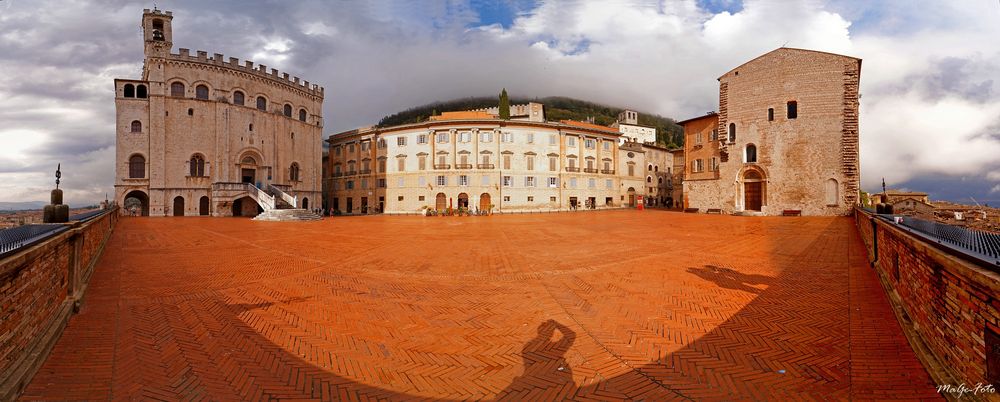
{"x":618,"y":305}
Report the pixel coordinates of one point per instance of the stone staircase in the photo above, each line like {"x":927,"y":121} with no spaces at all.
{"x":287,"y":215}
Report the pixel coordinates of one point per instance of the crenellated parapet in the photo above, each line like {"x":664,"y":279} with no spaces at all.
{"x":247,"y":67}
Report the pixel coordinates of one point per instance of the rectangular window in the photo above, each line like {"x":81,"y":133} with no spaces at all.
{"x":714,"y":135}
{"x":422,"y":162}
{"x":793,"y":109}
{"x":381,"y":144}
{"x":552,"y":164}
{"x":401,"y":141}
{"x":400,"y":198}
{"x":381,"y":183}
{"x":422,"y":181}
{"x":401,"y":182}
{"x":572,"y":163}
{"x":349,"y":185}
{"x":531,"y":162}
{"x":571,"y":141}
{"x":531,"y":199}
{"x":531,"y":138}
{"x":506,"y":161}
{"x":607,"y":166}
{"x":631,"y":170}
{"x":442,"y":181}
{"x":381,"y":165}
{"x":442,"y":138}
{"x":697,"y":139}
{"x":486,"y":137}
{"x":506,"y":198}
{"x":486,"y":180}
{"x":607,"y":145}
{"x":572,"y":182}
{"x":463,"y":180}
{"x":350,"y":147}
{"x":508,"y":181}
{"x":507,"y":137}
{"x":591,"y":183}
{"x":464,"y":159}
{"x":589,"y":143}
{"x":770,"y":114}
{"x":608,"y":183}
{"x":401,"y":164}
{"x":365,"y":145}
{"x":529,"y":181}
{"x":553,"y":182}
{"x":552,"y":199}
{"x":422,"y":139}
{"x":364,"y":183}
{"x":336,"y":151}
{"x":715,"y":164}
{"x":336,"y":169}
{"x":420,"y":198}
{"x":553,"y":139}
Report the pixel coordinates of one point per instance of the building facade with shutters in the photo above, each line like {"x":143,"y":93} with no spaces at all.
{"x":478,"y":163}
{"x":195,"y":128}
{"x":785,"y":138}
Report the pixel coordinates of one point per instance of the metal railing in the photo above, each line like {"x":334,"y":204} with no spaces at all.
{"x":975,"y":244}
{"x":485,"y":166}
{"x":589,"y":170}
{"x":14,"y":239}
{"x":463,"y":166}
{"x":572,"y":169}
{"x":441,"y":166}
{"x":86,"y":216}
{"x":608,"y":171}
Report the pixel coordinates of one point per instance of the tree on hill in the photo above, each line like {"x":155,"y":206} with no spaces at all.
{"x":504,"y":105}
{"x":556,"y":108}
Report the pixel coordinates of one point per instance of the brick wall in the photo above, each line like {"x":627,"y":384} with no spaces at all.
{"x":39,"y":288}
{"x":946,"y":303}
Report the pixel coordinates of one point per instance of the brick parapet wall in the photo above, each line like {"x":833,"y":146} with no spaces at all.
{"x":40,"y":287}
{"x":945,"y":302}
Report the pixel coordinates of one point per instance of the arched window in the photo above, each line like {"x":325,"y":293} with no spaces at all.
{"x":832,"y":193}
{"x":129,"y":91}
{"x":659,"y":180}
{"x":261,"y":103}
{"x":293,"y":172}
{"x":238,"y":98}
{"x":197,"y":166}
{"x":649,"y":167}
{"x":177,"y":89}
{"x":201,"y":92}
{"x":732,"y":132}
{"x":136,"y":126}
{"x":302,"y":115}
{"x":649,"y":179}
{"x":287,"y":110}
{"x":140,"y":91}
{"x":751,"y":153}
{"x":136,"y":167}
{"x":656,"y":168}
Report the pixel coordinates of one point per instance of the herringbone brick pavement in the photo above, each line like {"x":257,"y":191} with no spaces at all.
{"x":621,"y":305}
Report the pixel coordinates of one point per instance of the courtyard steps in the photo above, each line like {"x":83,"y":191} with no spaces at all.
{"x":287,"y":215}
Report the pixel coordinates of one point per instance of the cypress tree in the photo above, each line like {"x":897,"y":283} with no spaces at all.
{"x":504,"y":105}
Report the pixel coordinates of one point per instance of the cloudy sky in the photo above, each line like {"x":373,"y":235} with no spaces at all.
{"x":930,"y":112}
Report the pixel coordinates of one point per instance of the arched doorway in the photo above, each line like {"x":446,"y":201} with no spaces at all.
{"x":441,"y":202}
{"x":753,"y":191}
{"x":246,"y":206}
{"x":631,"y":196}
{"x":136,"y":203}
{"x":305,"y":203}
{"x":484,"y":202}
{"x":203,"y":206}
{"x":248,"y":169}
{"x":178,"y":206}
{"x":463,"y":200}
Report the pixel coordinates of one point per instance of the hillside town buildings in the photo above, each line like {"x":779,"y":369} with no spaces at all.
{"x":785,"y":139}
{"x":474,"y":161}
{"x":196,"y":135}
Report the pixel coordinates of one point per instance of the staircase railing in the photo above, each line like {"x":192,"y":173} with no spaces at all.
{"x":265,"y":200}
{"x":293,"y":201}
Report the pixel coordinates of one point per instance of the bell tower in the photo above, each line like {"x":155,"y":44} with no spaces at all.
{"x":156,"y":32}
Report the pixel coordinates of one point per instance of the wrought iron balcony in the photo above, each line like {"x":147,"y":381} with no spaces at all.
{"x":572,"y":169}
{"x":365,"y":171}
{"x":440,"y":167}
{"x":463,"y":166}
{"x":608,"y":171}
{"x":485,"y":166}
{"x":351,"y":173}
{"x":589,"y":170}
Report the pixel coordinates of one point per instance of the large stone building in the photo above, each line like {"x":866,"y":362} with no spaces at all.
{"x":469,"y":159}
{"x":628,"y":125}
{"x":785,"y":137}
{"x":195,"y":129}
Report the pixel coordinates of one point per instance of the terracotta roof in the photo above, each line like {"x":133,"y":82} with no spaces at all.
{"x":709,"y":114}
{"x":463,"y":115}
{"x":588,"y":125}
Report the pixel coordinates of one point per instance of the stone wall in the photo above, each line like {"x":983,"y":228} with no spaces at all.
{"x":40,"y":287}
{"x":947,"y":304}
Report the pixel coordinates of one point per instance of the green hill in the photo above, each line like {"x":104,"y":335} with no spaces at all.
{"x":556,"y":108}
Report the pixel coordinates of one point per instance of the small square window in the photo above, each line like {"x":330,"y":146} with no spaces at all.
{"x":531,"y":199}
{"x":506,"y":198}
{"x":552,"y":199}
{"x":400,"y":198}
{"x":420,"y":198}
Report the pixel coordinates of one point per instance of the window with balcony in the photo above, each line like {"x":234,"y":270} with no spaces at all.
{"x":553,"y":163}
{"x":530,"y":161}
{"x":400,"y":164}
{"x":422,"y":162}
{"x":506,"y":161}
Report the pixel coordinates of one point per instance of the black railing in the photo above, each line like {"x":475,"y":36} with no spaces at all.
{"x":975,"y":244}
{"x":86,"y":216}
{"x":16,"y":238}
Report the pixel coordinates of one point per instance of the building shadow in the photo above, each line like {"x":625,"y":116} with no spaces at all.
{"x":731,"y":279}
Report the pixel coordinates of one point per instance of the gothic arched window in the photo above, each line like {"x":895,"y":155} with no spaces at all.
{"x":177,"y":89}
{"x":136,"y":167}
{"x":197,"y":166}
{"x":201,"y":92}
{"x":238,"y":98}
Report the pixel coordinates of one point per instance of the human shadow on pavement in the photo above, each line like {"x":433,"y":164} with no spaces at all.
{"x":731,"y":279}
{"x":545,"y":368}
